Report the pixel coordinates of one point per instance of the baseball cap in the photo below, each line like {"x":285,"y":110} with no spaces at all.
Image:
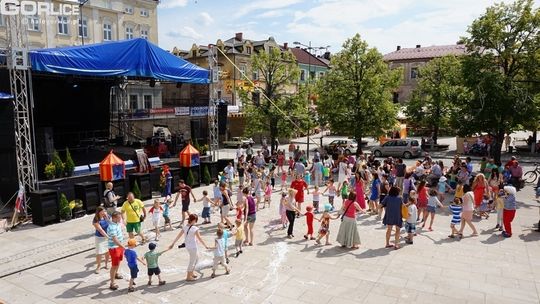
{"x":132,"y":242}
{"x":152,"y":246}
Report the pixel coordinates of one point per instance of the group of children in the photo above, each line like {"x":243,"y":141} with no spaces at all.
{"x":150,"y":260}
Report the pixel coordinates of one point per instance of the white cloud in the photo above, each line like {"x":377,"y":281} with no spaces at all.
{"x":186,"y":32}
{"x":264,"y":5}
{"x":173,"y":3}
{"x":206,"y":18}
{"x":274,"y":13}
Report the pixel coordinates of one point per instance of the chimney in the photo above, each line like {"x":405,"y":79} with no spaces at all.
{"x":418,"y":46}
{"x":286,"y":45}
{"x":238,"y":36}
{"x":398,"y":48}
{"x":326,"y":55}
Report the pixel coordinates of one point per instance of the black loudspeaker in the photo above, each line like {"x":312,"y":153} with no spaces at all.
{"x":143,"y":180}
{"x":212,"y":168}
{"x":45,"y":207}
{"x":222,"y":119}
{"x":175,"y":172}
{"x":45,"y":141}
{"x":8,"y":160}
{"x":90,"y":194}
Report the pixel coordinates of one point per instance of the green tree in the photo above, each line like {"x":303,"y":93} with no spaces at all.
{"x":207,"y":178}
{"x":278,"y":72}
{"x":355,"y":97}
{"x":190,"y":180}
{"x":136,"y":190}
{"x":58,"y":164}
{"x":69,"y":165}
{"x":502,"y":45}
{"x":440,"y":86}
{"x":65,"y":211}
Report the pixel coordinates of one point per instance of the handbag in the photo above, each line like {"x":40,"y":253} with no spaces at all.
{"x":184,"y":244}
{"x":141,"y":217}
{"x":347,"y":209}
{"x":404,"y":211}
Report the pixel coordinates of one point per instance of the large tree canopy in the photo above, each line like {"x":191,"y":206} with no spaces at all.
{"x":440,"y":87}
{"x":355,"y":97}
{"x":498,"y":70}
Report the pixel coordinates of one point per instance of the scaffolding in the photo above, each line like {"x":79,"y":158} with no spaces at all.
{"x":214,"y":101}
{"x":21,"y":89}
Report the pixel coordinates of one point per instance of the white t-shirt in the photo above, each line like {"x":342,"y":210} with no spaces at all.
{"x":191,"y":242}
{"x":205,"y":202}
{"x":413,"y":214}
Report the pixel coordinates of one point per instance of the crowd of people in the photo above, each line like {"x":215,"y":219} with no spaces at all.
{"x":340,"y":187}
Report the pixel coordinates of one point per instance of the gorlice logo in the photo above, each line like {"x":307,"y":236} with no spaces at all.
{"x":31,"y":8}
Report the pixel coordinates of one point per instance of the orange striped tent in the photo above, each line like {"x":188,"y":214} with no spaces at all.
{"x":112,"y":168}
{"x":189,"y":157}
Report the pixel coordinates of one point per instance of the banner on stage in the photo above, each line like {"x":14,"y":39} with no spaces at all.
{"x":181,"y":111}
{"x":199,"y":111}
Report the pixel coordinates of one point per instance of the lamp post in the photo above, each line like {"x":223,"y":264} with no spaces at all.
{"x":81,"y":28}
{"x":309,"y":47}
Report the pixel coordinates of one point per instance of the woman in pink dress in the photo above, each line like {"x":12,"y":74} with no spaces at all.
{"x":359,"y":189}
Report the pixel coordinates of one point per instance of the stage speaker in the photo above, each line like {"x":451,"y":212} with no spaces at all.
{"x":45,"y":141}
{"x":8,"y":160}
{"x":175,"y":172}
{"x":222,"y":119}
{"x":45,"y":207}
{"x":90,"y":194}
{"x":143,"y":180}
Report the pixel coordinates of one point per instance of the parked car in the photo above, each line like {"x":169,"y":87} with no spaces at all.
{"x":406,"y":148}
{"x":235,"y":141}
{"x":348,"y":145}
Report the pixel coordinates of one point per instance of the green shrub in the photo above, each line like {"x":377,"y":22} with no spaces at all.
{"x":190,"y":179}
{"x":65,"y":211}
{"x":69,"y":165}
{"x":136,"y":190}
{"x":50,"y":170}
{"x":58,"y":165}
{"x":207,"y":178}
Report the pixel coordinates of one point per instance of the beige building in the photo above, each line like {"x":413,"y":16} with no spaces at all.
{"x":239,"y":50}
{"x":411,"y":59}
{"x":102,"y":20}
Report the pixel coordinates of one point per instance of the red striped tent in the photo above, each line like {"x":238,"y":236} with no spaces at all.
{"x":112,"y":168}
{"x":189,"y":157}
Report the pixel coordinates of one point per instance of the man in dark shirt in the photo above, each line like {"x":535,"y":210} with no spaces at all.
{"x":184,"y":191}
{"x":401,"y":168}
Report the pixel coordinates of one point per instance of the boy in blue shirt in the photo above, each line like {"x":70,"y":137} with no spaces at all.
{"x":166,"y":206}
{"x":131,"y":258}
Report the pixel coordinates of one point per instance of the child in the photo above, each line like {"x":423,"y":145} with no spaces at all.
{"x":282,"y":210}
{"x":442,"y":186}
{"x":344,"y":191}
{"x":217,"y":194}
{"x":219,"y":254}
{"x":324,"y":231}
{"x":326,"y":173}
{"x":483,"y":210}
{"x":156,"y":211}
{"x":267,"y":194}
{"x":166,"y":205}
{"x":291,"y":165}
{"x":240,"y":207}
{"x":283,"y":179}
{"x":307,"y":178}
{"x":499,"y":206}
{"x":433,"y":202}
{"x":459,"y":190}
{"x":151,"y":258}
{"x":422,"y":200}
{"x":410,"y":224}
{"x":316,"y":197}
{"x":309,"y":222}
{"x":239,"y":237}
{"x":456,"y":209}
{"x":206,"y":207}
{"x":331,"y":192}
{"x":273,"y":178}
{"x":131,"y":258}
{"x":227,"y":233}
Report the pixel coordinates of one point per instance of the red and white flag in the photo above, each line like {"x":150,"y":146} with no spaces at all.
{"x":19,"y":203}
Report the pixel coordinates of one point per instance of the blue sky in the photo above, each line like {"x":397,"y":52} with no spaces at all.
{"x":383,"y":23}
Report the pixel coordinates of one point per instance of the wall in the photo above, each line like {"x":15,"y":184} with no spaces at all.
{"x":409,"y":84}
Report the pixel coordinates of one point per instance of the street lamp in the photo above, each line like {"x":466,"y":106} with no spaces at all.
{"x":81,"y":28}
{"x":309,"y":47}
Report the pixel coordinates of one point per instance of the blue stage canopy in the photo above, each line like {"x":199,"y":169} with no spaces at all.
{"x":131,"y":58}
{"x":5,"y":96}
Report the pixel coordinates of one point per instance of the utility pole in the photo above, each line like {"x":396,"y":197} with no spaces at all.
{"x":81,"y":28}
{"x":214,"y":100}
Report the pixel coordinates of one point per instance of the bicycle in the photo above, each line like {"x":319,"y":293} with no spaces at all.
{"x":530,"y":176}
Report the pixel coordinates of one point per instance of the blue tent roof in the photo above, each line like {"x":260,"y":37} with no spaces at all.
{"x":5,"y":96}
{"x":134,"y":57}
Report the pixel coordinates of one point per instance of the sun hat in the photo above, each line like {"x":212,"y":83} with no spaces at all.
{"x":132,"y":242}
{"x":442,"y":179}
{"x":510,"y":189}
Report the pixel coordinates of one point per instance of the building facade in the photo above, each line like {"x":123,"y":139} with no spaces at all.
{"x":411,"y":59}
{"x":311,"y":66}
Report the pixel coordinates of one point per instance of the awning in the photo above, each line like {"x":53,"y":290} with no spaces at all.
{"x":131,"y":58}
{"x":5,"y":96}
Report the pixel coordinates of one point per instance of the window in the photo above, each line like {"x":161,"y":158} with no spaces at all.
{"x":63,"y":25}
{"x":389,"y":143}
{"x":133,"y":101}
{"x":147,"y":101}
{"x":144,"y":12}
{"x":194,"y":53}
{"x":248,"y":50}
{"x":414,"y":73}
{"x":242,"y":70}
{"x":415,"y":143}
{"x":128,"y":10}
{"x":144,"y":34}
{"x":129,"y":32}
{"x":311,"y":75}
{"x":107,"y":31}
{"x":321,"y":74}
{"x":2,"y":22}
{"x":33,"y":23}
{"x":395,"y":97}
{"x":255,"y":75}
{"x":83,"y":27}
{"x":302,"y":75}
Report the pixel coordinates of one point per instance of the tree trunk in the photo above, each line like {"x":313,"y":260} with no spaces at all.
{"x":359,"y":141}
{"x":496,"y":146}
{"x":273,"y":134}
{"x":533,"y":145}
{"x":435,"y":134}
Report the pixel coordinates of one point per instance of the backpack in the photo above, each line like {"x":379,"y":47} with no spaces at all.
{"x":105,"y":200}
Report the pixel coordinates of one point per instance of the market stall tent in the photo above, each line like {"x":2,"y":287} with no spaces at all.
{"x":112,"y":168}
{"x":189,"y":157}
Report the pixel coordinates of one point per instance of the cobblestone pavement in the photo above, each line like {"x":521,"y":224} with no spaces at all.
{"x":436,"y":269}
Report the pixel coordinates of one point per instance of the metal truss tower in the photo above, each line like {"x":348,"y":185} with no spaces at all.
{"x":20,"y":83}
{"x":214,"y":100}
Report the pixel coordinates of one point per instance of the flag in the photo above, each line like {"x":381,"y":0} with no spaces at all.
{"x":19,"y":202}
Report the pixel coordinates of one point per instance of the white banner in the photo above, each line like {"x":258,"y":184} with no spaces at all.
{"x":181,"y":111}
